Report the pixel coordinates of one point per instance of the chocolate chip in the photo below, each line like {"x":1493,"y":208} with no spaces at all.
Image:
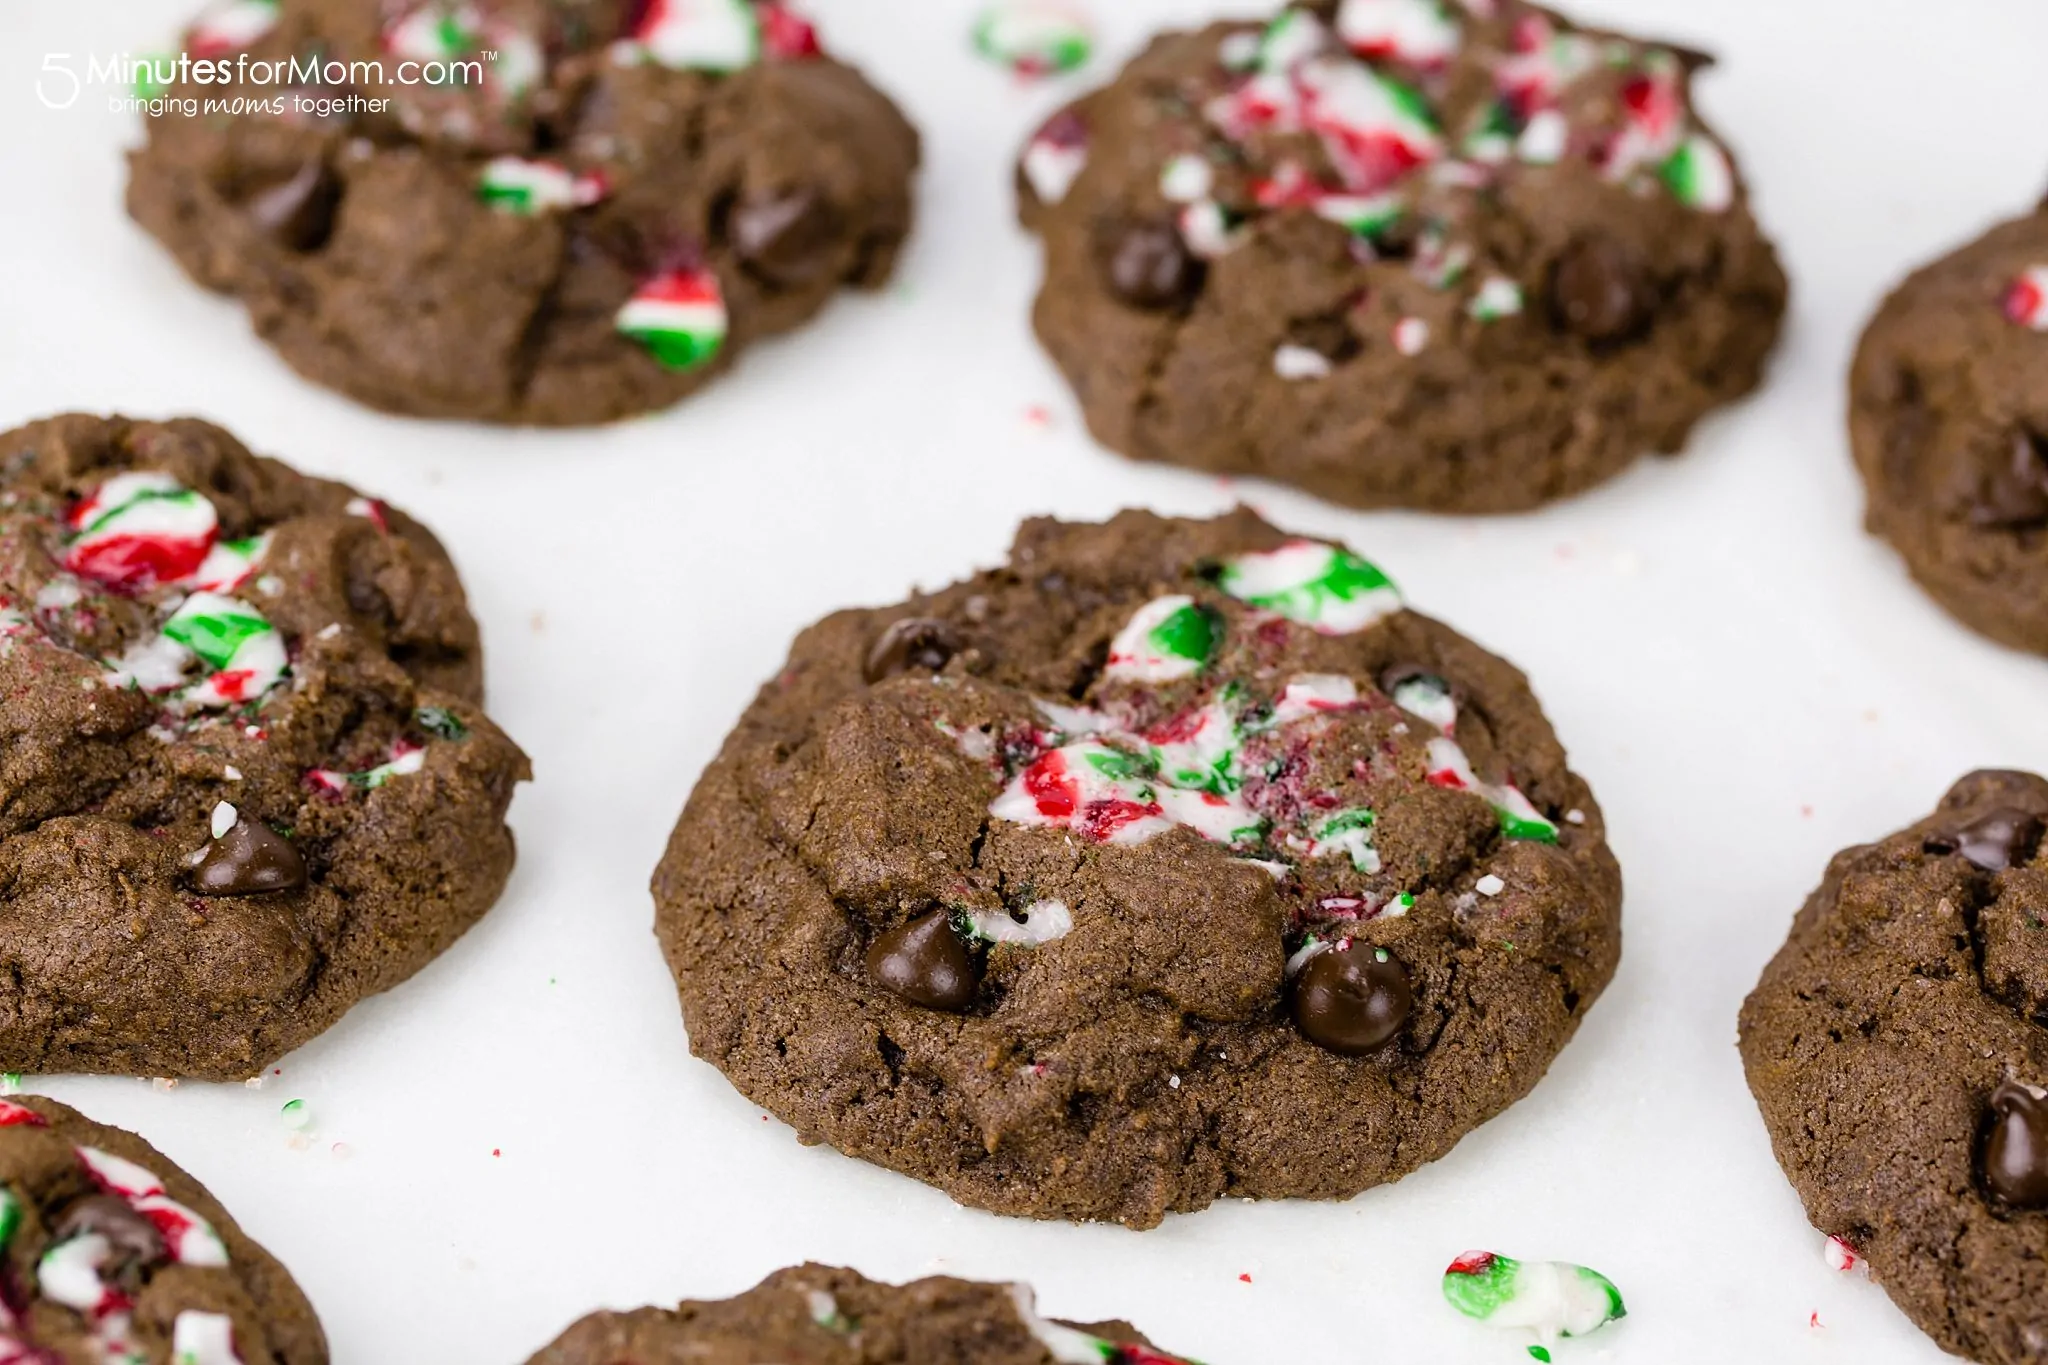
{"x":787,"y":235}
{"x":925,"y":962}
{"x":2015,"y":495}
{"x":1601,"y":290}
{"x":1147,"y":265}
{"x":135,"y":1244}
{"x":249,"y":859}
{"x":2016,"y":1151}
{"x":916,"y":644}
{"x":2003,"y":837}
{"x":298,"y":213}
{"x":1352,"y":999}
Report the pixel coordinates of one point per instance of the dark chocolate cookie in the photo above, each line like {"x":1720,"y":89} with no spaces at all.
{"x":1173,"y":859}
{"x":113,"y":1254}
{"x":1948,"y":413}
{"x":245,"y":775}
{"x":596,"y":207}
{"x":1898,"y":1047}
{"x":1464,"y":257}
{"x":819,"y":1315}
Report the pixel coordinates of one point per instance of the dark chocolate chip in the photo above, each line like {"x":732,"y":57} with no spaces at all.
{"x":1147,"y":265}
{"x":2003,"y":837}
{"x":1352,"y":999}
{"x":787,"y":236}
{"x":1601,"y":290}
{"x":248,"y":860}
{"x":2016,"y":1150}
{"x":925,"y":962}
{"x":298,"y":213}
{"x":135,"y":1244}
{"x":916,"y":644}
{"x":2015,"y":495}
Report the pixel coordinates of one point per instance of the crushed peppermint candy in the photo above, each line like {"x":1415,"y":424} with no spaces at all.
{"x":1034,"y":37}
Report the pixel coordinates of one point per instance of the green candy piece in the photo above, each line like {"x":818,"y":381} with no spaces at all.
{"x":1189,"y":633}
{"x":441,"y":723}
{"x":215,"y":638}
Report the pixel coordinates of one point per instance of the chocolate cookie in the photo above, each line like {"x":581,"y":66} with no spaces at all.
{"x":1948,"y":413}
{"x":819,"y":1315}
{"x":1898,"y":1047}
{"x":245,"y":775}
{"x":540,"y":211}
{"x":114,"y":1254}
{"x":1400,"y":253}
{"x":1173,"y":859}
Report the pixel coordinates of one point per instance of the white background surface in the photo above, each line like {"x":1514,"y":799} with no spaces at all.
{"x":1746,"y":679}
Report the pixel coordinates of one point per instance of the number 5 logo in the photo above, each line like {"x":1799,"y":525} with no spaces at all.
{"x":57,"y":64}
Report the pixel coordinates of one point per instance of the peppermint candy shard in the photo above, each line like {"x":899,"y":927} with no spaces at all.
{"x":1552,"y":1299}
{"x":1169,"y":638}
{"x":406,"y":759}
{"x":230,"y":27}
{"x":1056,"y":156}
{"x":140,"y":530}
{"x":1414,"y":32}
{"x":202,"y":1339}
{"x":440,"y":722}
{"x":14,"y":1115}
{"x":1034,"y":37}
{"x":679,"y":317}
{"x":1700,"y":175}
{"x":1324,"y":587}
{"x":2026,"y":299}
{"x":698,"y":35}
{"x":518,"y":186}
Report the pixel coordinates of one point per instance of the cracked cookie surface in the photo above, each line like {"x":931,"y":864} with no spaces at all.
{"x":245,"y":774}
{"x":1898,"y":1048}
{"x":605,"y":204}
{"x":112,"y":1253}
{"x":1399,"y":252}
{"x":822,"y":1315}
{"x":1948,"y":416}
{"x":1172,"y":860}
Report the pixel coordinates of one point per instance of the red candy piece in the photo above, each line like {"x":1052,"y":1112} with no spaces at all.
{"x":14,"y":1115}
{"x":787,"y":35}
{"x":132,"y":564}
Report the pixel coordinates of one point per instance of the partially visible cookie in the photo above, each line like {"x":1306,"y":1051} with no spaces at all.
{"x":537,"y":211}
{"x":1948,"y":414}
{"x":113,"y":1254}
{"x":1898,"y":1047}
{"x":1168,"y":861}
{"x":1410,"y":253}
{"x":246,"y":778}
{"x":818,"y":1315}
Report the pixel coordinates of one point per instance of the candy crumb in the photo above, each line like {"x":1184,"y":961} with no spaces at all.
{"x":1841,"y":1256}
{"x":1489,"y":885}
{"x":1575,"y":816}
{"x":295,"y":1114}
{"x":231,"y":773}
{"x":1245,"y":1277}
